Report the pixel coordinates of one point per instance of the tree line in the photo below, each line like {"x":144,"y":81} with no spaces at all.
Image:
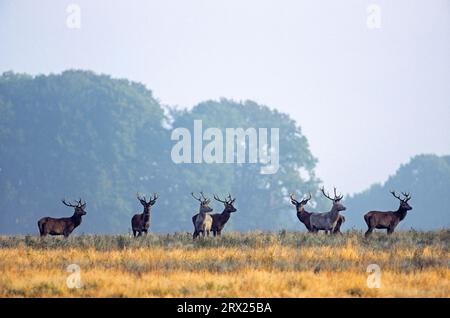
{"x":82,"y":134}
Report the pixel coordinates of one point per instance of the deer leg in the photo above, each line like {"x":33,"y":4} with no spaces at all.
{"x":390,"y":230}
{"x":134,"y":233}
{"x":368,"y":232}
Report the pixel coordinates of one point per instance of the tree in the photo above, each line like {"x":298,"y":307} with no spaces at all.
{"x":426,"y":177}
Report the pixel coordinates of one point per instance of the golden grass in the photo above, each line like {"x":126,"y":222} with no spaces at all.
{"x":272,"y":266}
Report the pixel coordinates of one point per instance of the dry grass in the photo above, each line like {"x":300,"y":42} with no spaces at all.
{"x":413,"y":264}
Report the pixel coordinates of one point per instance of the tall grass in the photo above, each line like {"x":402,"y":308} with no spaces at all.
{"x":254,"y":264}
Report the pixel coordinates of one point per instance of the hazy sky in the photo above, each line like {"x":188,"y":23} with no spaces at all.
{"x":367,"y":99}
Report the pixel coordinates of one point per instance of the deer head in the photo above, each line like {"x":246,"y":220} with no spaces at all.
{"x":204,"y":203}
{"x":336,"y":200}
{"x":299,"y":205}
{"x":228,"y":203}
{"x":404,"y":205}
{"x":79,"y":206}
{"x":147,"y":204}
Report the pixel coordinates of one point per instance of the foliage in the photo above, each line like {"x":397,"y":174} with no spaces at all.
{"x":78,"y":134}
{"x":426,"y":177}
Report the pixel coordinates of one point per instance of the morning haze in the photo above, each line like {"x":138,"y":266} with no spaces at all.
{"x":366,"y":99}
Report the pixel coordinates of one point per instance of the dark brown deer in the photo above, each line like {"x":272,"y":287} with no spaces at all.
{"x":390,"y":219}
{"x":141,"y":222}
{"x":202,"y":220}
{"x":63,"y":226}
{"x":327,"y":221}
{"x":304,"y":216}
{"x":220,"y":219}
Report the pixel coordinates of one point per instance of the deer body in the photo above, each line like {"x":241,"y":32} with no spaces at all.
{"x":220,"y":219}
{"x":302,"y":215}
{"x":140,"y":223}
{"x":324,"y":221}
{"x":339,"y":222}
{"x":62,"y":226}
{"x":387,"y":220}
{"x":328,"y":221}
{"x":202,"y":221}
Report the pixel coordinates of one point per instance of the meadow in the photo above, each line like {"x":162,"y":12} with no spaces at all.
{"x":253,"y":264}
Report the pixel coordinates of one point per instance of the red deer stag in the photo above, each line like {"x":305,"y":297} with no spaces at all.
{"x":63,"y":226}
{"x":390,"y":219}
{"x":220,"y":219}
{"x":202,"y":221}
{"x":327,"y":221}
{"x":141,"y":222}
{"x":303,"y":215}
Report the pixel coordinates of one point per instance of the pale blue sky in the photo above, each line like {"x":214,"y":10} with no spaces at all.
{"x":366,"y":99}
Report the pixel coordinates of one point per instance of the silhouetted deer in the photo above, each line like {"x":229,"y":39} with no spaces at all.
{"x":390,"y":219}
{"x":63,"y":226}
{"x":302,"y":215}
{"x":327,"y":221}
{"x":202,"y":221}
{"x":220,"y":219}
{"x":141,"y":222}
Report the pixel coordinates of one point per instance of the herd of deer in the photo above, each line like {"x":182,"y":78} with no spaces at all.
{"x":204,"y":222}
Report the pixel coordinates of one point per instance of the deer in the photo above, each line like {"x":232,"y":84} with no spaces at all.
{"x":327,"y":221}
{"x":63,"y":226}
{"x":141,"y":222}
{"x":302,"y":215}
{"x":202,"y":221}
{"x":220,"y":219}
{"x":390,"y":219}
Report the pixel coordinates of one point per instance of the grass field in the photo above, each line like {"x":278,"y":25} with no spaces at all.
{"x":256,"y":264}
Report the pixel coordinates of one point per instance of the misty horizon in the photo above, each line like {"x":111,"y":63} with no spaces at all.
{"x":367,"y":100}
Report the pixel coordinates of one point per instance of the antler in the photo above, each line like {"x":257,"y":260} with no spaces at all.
{"x":81,"y":203}
{"x":205,"y":199}
{"x":395,"y":195}
{"x":140,"y":198}
{"x":69,"y":204}
{"x":155,"y":196}
{"x":407,"y":196}
{"x":198,"y":199}
{"x":337,"y":197}
{"x":309,"y":198}
{"x":325,"y":194}
{"x":218,"y":199}
{"x":291,"y":196}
